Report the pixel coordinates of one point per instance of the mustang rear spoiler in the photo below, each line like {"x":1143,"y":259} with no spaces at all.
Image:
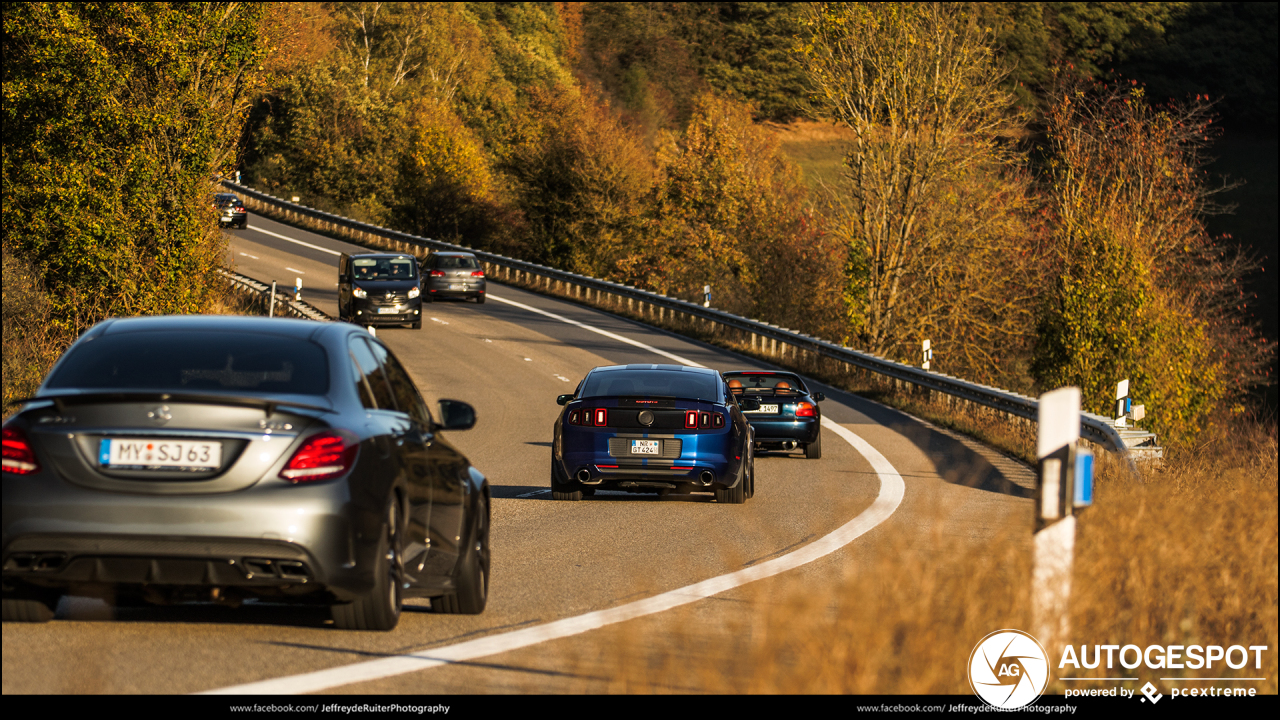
{"x":267,"y":404}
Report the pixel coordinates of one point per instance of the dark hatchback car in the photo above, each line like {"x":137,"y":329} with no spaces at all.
{"x":230,"y":211}
{"x":788,"y":417}
{"x":192,"y":458}
{"x":379,"y":289}
{"x":652,"y":428}
{"x":453,"y":274}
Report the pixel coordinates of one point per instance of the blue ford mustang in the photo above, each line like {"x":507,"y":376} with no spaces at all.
{"x":653,"y":428}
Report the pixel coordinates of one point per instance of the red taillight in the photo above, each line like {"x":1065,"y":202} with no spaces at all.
{"x":601,"y":417}
{"x":323,"y":456}
{"x":19,"y":458}
{"x":691,"y":418}
{"x":704,"y":419}
{"x":717,"y":420}
{"x":478,"y":273}
{"x":437,"y":273}
{"x":573,"y":418}
{"x":804,"y":409}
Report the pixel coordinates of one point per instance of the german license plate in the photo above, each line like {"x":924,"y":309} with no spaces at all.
{"x":141,"y":452}
{"x":764,"y":409}
{"x":388,"y":311}
{"x":646,"y":447}
{"x":457,"y":286}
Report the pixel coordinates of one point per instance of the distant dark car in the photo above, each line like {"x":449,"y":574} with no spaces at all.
{"x":788,"y":417}
{"x":230,"y":211}
{"x":170,"y":459}
{"x":453,"y":274}
{"x":379,"y":289}
{"x":652,"y":428}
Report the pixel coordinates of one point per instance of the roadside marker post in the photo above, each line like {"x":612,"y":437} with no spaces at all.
{"x":271,"y":308}
{"x":1064,"y":485}
{"x":926,"y":354}
{"x":297,"y":289}
{"x":706,"y":293}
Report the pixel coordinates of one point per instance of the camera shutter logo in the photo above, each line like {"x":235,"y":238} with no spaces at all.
{"x":1008,"y":669}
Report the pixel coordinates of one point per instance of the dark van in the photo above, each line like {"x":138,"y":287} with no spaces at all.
{"x":380,"y":289}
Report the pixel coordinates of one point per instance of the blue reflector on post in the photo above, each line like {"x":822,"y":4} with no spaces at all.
{"x":1084,"y":478}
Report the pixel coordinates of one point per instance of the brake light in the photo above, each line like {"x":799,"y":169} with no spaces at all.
{"x":804,"y":409}
{"x":478,"y":273}
{"x":717,"y":420}
{"x":704,"y":419}
{"x":601,"y":416}
{"x":437,"y":273}
{"x":691,"y":419}
{"x":323,"y":456}
{"x":19,"y":457}
{"x":573,"y":418}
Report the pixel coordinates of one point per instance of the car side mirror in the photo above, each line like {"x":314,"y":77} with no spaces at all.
{"x":749,"y":403}
{"x":456,"y":415}
{"x":562,"y":399}
{"x":819,"y":397}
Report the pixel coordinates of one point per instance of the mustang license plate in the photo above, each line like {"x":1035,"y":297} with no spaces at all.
{"x":764,"y":409}
{"x":140,"y":452}
{"x":646,"y":447}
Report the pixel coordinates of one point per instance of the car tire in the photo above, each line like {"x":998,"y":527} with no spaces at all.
{"x":472,"y":580}
{"x":480,"y":300}
{"x":29,"y":609}
{"x":379,"y":607}
{"x":417,"y":324}
{"x":735,"y":495}
{"x":563,"y":490}
{"x":751,"y":476}
{"x":813,"y":451}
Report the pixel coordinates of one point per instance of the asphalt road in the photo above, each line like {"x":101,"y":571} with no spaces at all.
{"x":552,"y":561}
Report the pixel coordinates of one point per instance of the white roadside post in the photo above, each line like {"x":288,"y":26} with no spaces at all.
{"x":927,"y":355}
{"x":706,"y":293}
{"x":271,"y":307}
{"x":1123,"y":403}
{"x":1064,"y":484}
{"x":297,"y":289}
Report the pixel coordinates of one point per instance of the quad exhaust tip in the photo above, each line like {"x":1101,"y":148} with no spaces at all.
{"x":584,"y":476}
{"x":706,"y":477}
{"x":789,"y":445}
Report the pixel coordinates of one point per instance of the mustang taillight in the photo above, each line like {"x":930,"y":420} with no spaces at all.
{"x":573,"y":417}
{"x":323,"y":456}
{"x":437,"y":273}
{"x":717,"y":420}
{"x":804,"y":409}
{"x":19,"y":458}
{"x":601,"y":416}
{"x":478,"y":273}
{"x":691,"y":418}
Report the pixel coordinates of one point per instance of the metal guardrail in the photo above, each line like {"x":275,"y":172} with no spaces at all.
{"x":1094,"y":428}
{"x":296,"y":308}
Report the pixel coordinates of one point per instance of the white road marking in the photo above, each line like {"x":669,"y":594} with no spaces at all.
{"x":891,"y":493}
{"x":606,"y":333}
{"x":892,"y":490}
{"x":286,"y":267}
{"x":564,"y":378}
{"x":299,"y":242}
{"x":442,"y":322}
{"x":244,"y":254}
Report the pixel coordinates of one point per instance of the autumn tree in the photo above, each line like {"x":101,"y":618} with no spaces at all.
{"x":1141,"y":290}
{"x":932,"y":196}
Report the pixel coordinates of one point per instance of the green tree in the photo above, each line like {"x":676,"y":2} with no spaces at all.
{"x":116,"y":118}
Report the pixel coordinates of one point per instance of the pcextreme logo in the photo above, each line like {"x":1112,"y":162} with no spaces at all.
{"x":1008,"y":669}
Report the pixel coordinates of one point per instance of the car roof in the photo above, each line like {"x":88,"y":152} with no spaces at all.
{"x":286,"y":327}
{"x":453,"y":253}
{"x":648,"y":366}
{"x":380,"y":255}
{"x":227,"y":196}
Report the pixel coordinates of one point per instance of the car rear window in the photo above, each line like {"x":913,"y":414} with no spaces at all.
{"x":651,"y":383}
{"x":195,"y":361}
{"x":447,"y":262}
{"x":397,"y":268}
{"x":764,"y":383}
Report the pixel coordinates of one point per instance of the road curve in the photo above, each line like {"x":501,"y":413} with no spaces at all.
{"x":554,"y":563}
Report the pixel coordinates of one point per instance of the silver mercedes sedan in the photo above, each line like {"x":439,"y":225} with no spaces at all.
{"x":203,"y":458}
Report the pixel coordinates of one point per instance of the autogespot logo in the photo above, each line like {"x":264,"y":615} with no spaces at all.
{"x":1008,"y":669}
